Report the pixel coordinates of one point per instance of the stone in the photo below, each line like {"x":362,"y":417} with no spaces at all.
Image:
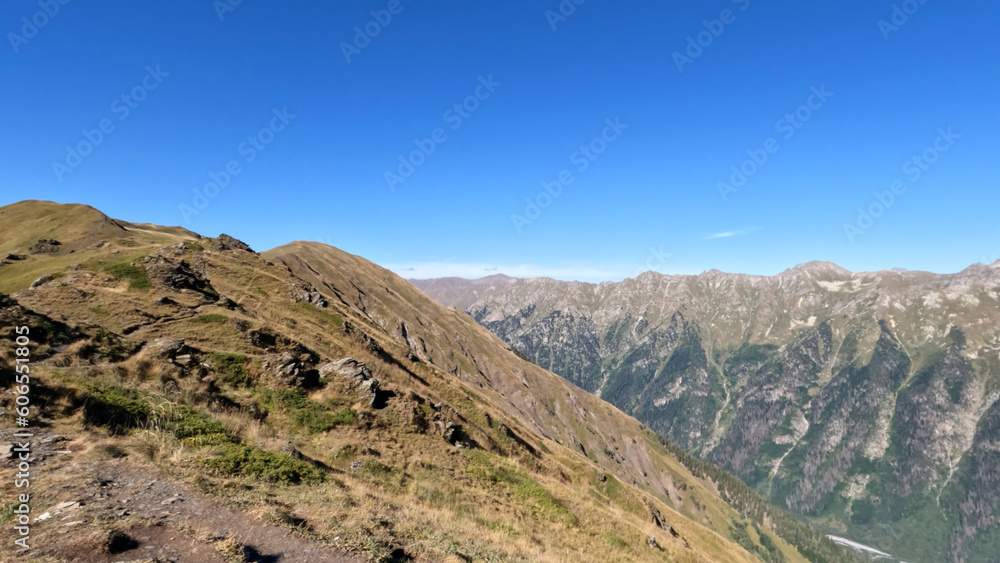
{"x":348,"y":367}
{"x":45,"y":246}
{"x":358,"y":371}
{"x":42,"y":280}
{"x":307,"y":294}
{"x":224,"y":243}
{"x":170,"y":348}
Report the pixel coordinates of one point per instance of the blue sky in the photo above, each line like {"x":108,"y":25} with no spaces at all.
{"x":639,"y":123}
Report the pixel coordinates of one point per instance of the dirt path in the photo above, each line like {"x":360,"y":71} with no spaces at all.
{"x":158,"y":517}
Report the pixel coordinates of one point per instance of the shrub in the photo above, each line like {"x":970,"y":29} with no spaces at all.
{"x":136,"y":275}
{"x":316,"y":418}
{"x":231,"y":368}
{"x":115,"y":408}
{"x":107,"y":345}
{"x":346,"y":452}
{"x":248,"y":461}
{"x":212,"y":318}
{"x":197,"y":429}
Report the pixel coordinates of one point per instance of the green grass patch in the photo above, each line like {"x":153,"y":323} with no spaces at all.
{"x":248,"y":461}
{"x":7,"y":513}
{"x":333,"y":318}
{"x":497,"y":527}
{"x":526,"y":490}
{"x":108,"y":346}
{"x":136,"y":275}
{"x":115,"y":408}
{"x":346,"y":452}
{"x":614,"y":541}
{"x":213,"y":318}
{"x":377,"y":473}
{"x":316,"y":419}
{"x":198,"y":429}
{"x":312,"y":415}
{"x":231,"y":368}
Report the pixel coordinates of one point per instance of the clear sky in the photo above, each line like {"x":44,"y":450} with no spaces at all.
{"x":617,"y":100}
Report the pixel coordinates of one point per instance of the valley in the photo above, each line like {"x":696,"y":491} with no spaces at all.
{"x":865,"y":402}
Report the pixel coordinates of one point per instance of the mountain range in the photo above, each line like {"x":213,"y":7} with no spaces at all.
{"x":864,"y":402}
{"x":192,"y":399}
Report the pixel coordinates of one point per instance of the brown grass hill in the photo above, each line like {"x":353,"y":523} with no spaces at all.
{"x":194,"y":399}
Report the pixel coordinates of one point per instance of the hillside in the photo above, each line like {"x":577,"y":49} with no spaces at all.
{"x":865,"y":401}
{"x":195,"y":399}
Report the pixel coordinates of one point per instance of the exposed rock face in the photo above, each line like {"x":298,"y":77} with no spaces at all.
{"x":862,"y":397}
{"x":45,"y":246}
{"x":295,"y":367}
{"x":175,"y":274}
{"x":43,"y":329}
{"x":168,"y":348}
{"x":347,"y":367}
{"x":307,"y":294}
{"x":358,"y":372}
{"x":42,"y":280}
{"x":226,"y":243}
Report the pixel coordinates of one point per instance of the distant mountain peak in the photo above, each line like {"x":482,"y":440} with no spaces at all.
{"x":820,"y":267}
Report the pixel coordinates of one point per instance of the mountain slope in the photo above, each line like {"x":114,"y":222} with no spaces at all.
{"x":860,"y":400}
{"x":309,"y":389}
